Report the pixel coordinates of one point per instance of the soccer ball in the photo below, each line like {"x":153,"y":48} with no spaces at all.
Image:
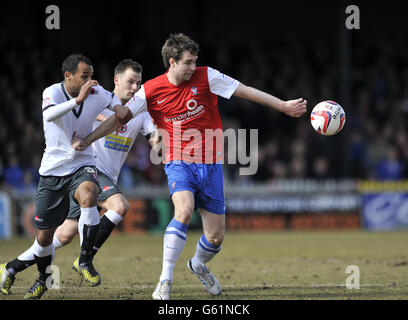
{"x":328,"y":118}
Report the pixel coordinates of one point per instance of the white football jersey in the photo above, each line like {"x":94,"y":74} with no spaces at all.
{"x":112,"y":150}
{"x":59,"y":158}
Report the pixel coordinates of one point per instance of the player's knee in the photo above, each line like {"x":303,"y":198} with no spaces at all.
{"x":122,"y":207}
{"x":64,"y":239}
{"x":44,"y":237}
{"x":184,"y":213}
{"x":87,"y":199}
{"x":66,"y":236}
{"x":216,"y":239}
{"x":185,"y":219}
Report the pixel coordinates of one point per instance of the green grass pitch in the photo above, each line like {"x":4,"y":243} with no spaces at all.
{"x":259,"y":266}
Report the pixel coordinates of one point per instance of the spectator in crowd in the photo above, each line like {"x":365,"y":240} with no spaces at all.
{"x":376,"y":117}
{"x":14,"y":173}
{"x":320,"y":168}
{"x":390,"y":167}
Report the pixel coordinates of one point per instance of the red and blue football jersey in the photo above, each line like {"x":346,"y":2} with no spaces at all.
{"x":188,"y":114}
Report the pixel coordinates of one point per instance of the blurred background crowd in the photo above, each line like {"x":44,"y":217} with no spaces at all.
{"x":291,"y":64}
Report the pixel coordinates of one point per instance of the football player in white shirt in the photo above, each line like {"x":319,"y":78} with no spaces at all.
{"x":69,"y":109}
{"x":110,"y":154}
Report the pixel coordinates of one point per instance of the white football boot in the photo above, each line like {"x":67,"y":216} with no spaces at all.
{"x":207,"y":279}
{"x":162,"y":291}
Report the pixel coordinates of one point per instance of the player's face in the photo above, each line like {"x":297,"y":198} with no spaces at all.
{"x":127,"y":84}
{"x":76,"y":81}
{"x":185,"y":67}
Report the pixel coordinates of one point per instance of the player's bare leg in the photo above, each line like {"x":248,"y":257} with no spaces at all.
{"x":116,"y":207}
{"x":88,"y":223}
{"x":43,"y":254}
{"x":213,"y":226}
{"x":65,"y":233}
{"x":62,"y":236}
{"x":174,"y":241}
{"x":183,"y":206}
{"x":207,"y":247}
{"x":9,"y":270}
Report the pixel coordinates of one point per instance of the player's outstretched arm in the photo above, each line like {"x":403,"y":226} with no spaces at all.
{"x":122,"y":114}
{"x":293,"y":108}
{"x":106,"y":127}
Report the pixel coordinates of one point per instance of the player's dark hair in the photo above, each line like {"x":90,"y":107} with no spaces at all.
{"x":126,"y":64}
{"x":71,"y":62}
{"x":174,"y":47}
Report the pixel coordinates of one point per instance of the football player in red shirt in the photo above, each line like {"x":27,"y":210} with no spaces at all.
{"x":183,"y":99}
{"x":183,"y":104}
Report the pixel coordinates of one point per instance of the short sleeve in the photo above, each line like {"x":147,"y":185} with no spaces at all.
{"x":114,"y":102}
{"x":137,"y":103}
{"x":148,"y":126}
{"x":107,"y":99}
{"x":107,"y":113}
{"x":221,"y":84}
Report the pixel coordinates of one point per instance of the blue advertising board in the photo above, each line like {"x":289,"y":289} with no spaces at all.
{"x":385,"y":210}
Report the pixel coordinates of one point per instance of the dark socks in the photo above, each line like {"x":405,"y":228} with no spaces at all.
{"x":89,"y":235}
{"x":42,"y":264}
{"x":105,"y":228}
{"x":16,"y":265}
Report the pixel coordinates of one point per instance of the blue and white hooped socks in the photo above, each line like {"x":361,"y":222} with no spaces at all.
{"x":174,"y":241}
{"x":205,"y":251}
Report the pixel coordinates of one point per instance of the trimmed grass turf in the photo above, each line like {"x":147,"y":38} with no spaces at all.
{"x":262,"y":266}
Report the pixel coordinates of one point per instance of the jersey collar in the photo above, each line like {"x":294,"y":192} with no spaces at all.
{"x":76,"y":114}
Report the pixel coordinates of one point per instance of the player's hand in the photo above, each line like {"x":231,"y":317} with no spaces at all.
{"x":295,"y":108}
{"x":85,"y":90}
{"x":79,"y":144}
{"x":123,"y":114}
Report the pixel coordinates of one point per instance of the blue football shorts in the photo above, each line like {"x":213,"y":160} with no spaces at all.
{"x":205,"y":181}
